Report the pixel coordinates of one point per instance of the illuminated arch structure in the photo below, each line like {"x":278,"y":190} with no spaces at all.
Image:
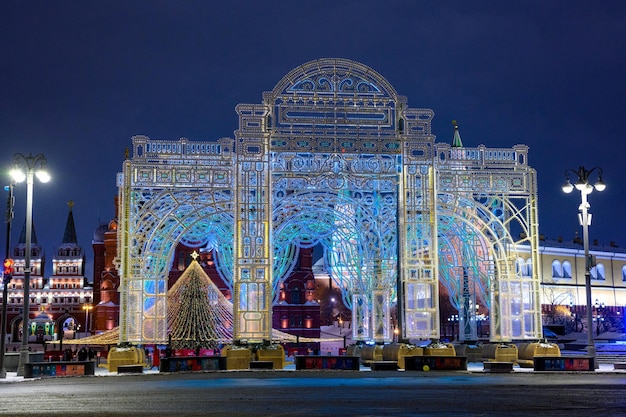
{"x":333,"y":156}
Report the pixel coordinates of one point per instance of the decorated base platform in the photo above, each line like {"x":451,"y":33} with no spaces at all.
{"x":435,"y":363}
{"x":254,"y":357}
{"x":58,"y":369}
{"x":237,"y":357}
{"x":274,"y":354}
{"x":440,"y":349}
{"x":398,"y":352}
{"x":192,"y":363}
{"x":119,"y":356}
{"x":563,"y":363}
{"x":346,"y":363}
{"x":500,"y":352}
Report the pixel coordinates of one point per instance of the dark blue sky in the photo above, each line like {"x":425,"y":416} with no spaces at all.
{"x":78,"y":79}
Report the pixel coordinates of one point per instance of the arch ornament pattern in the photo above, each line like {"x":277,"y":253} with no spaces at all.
{"x":492,"y":191}
{"x":332,"y":156}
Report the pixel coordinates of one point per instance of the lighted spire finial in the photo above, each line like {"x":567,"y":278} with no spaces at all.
{"x":456,"y":140}
{"x":195,"y":255}
{"x":69,"y":236}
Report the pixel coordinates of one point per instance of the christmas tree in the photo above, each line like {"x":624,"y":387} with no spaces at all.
{"x":199,"y":316}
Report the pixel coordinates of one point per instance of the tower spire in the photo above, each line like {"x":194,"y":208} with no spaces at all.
{"x":70,"y":229}
{"x":33,"y":235}
{"x":456,"y":139}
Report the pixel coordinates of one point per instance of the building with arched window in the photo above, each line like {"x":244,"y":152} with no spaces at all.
{"x":561,"y":272}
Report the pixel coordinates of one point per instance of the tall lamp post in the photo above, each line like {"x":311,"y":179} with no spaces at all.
{"x":5,"y":287}
{"x":25,"y":168}
{"x":582,"y":184}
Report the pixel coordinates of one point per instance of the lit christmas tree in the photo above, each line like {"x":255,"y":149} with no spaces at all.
{"x":199,"y":316}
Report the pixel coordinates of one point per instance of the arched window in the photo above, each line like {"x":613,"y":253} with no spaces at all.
{"x":557,"y":269}
{"x":567,"y":270}
{"x":600,"y":270}
{"x":597,"y":272}
{"x":529,"y":267}
{"x":624,"y":273}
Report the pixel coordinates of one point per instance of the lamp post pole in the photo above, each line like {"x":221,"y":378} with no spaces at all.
{"x":585,"y":188}
{"x":31,"y":164}
{"x":5,"y":287}
{"x":24,"y":353}
{"x":591,"y":347}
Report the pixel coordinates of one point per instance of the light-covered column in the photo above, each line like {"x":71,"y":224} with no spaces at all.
{"x":418,"y":240}
{"x":253,"y":258}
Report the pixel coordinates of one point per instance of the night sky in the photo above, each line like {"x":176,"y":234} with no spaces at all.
{"x":79,"y":78}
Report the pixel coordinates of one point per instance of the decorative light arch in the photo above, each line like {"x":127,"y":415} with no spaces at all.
{"x":332,"y":156}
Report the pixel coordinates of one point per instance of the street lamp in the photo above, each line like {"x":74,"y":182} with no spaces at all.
{"x":25,"y":168}
{"x":87,"y":307}
{"x":6,"y":279}
{"x":584,"y":217}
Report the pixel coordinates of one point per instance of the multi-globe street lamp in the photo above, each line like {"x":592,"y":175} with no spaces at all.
{"x":26,"y":168}
{"x":585,"y":187}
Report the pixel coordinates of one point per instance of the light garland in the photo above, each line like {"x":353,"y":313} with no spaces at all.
{"x":199,"y":316}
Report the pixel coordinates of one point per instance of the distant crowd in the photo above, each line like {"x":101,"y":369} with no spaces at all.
{"x":79,"y":355}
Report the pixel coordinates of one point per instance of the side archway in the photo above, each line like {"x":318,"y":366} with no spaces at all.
{"x":166,"y":218}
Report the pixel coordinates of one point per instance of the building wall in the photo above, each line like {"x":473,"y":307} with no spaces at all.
{"x":106,"y":279}
{"x":297,"y":311}
{"x":608,"y":278}
{"x":561,"y":272}
{"x":60,"y":297}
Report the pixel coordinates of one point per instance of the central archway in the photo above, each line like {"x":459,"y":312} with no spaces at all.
{"x":351,"y":227}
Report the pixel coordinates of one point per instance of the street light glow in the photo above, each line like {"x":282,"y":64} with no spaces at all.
{"x":43,"y":176}
{"x":18,"y":175}
{"x":582,"y":184}
{"x":600,"y":185}
{"x":567,"y":187}
{"x":37,"y":163}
